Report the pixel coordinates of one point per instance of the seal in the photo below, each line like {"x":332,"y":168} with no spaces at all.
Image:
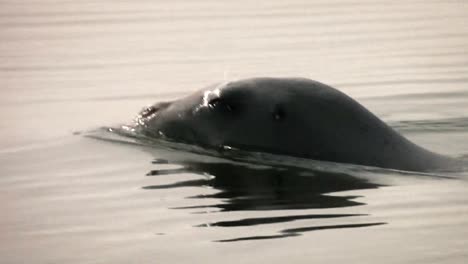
{"x":289,"y":116}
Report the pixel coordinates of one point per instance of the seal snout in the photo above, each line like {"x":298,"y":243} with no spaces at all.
{"x":148,"y":111}
{"x":152,"y":110}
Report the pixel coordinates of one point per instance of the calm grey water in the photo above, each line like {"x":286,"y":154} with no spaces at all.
{"x":70,"y":67}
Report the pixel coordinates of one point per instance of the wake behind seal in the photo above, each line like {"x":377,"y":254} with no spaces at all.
{"x":289,"y":116}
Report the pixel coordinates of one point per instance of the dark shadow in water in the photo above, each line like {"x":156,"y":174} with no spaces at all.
{"x":274,"y":220}
{"x":248,"y":187}
{"x":267,"y":188}
{"x":297,"y":231}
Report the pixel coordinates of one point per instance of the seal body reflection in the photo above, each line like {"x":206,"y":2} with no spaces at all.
{"x":246,"y":187}
{"x":249,"y":187}
{"x":289,"y":116}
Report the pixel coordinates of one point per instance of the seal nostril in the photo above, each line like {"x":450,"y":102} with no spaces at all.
{"x":149,"y":111}
{"x":152,"y":110}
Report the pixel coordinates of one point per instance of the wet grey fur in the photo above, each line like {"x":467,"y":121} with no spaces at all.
{"x":291,"y":116}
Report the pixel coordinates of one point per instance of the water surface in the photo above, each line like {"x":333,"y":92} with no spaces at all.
{"x":75,"y":66}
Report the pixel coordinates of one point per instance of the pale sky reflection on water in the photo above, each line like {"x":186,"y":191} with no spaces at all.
{"x":74,"y":66}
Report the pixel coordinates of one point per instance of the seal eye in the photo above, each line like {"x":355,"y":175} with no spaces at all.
{"x":214,"y":102}
{"x":218,"y":103}
{"x":279,"y":113}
